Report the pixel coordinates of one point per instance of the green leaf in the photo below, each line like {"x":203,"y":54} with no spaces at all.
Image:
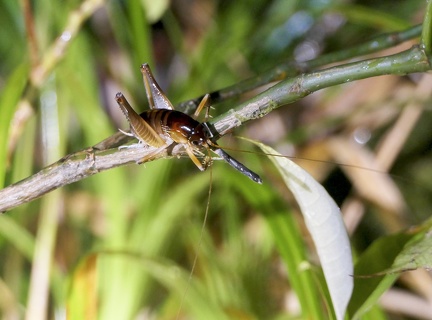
{"x":8,"y":103}
{"x":155,"y":9}
{"x":379,"y":256}
{"x":379,"y":266}
{"x":82,"y":300}
{"x":417,"y":254}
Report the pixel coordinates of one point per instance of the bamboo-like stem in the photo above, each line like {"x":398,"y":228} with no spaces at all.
{"x":293,"y":89}
{"x":292,"y":68}
{"x":85,"y":163}
{"x":426,"y":36}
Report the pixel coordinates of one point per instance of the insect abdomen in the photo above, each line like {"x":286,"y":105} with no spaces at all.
{"x":176,"y":124}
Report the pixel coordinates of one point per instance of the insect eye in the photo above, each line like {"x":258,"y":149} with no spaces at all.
{"x":196,"y":141}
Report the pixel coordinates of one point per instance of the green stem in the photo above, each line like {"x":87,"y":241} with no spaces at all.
{"x":292,"y":68}
{"x":426,"y":36}
{"x":290,"y":90}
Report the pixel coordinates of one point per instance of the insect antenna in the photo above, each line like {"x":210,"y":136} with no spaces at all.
{"x":226,"y":157}
{"x":237,"y":165}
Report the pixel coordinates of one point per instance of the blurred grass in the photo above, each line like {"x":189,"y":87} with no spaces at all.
{"x":142,"y":224}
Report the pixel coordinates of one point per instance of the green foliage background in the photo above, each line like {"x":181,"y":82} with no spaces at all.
{"x":121,"y":244}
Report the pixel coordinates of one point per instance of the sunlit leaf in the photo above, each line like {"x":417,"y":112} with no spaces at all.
{"x":17,"y":235}
{"x":83,"y":302}
{"x":192,"y":293}
{"x":379,"y":266}
{"x":379,"y":256}
{"x":9,"y":97}
{"x":155,"y":9}
{"x":417,"y":254}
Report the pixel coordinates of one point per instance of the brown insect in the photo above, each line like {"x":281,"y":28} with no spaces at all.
{"x":162,"y":126}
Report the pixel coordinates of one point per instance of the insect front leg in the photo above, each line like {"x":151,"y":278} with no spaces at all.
{"x":193,"y":157}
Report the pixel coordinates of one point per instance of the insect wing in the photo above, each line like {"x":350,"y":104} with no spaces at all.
{"x":156,"y":97}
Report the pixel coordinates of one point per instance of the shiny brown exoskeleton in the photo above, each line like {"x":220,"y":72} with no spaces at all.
{"x":162,"y":126}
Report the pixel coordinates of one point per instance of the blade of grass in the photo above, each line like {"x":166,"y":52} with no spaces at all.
{"x":8,"y":102}
{"x":378,"y":257}
{"x":292,"y":249}
{"x":372,"y":18}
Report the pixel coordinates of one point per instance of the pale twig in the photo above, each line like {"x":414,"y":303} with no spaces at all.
{"x":67,"y":170}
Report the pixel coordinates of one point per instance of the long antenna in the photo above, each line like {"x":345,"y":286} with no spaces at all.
{"x":211,"y":137}
{"x":237,"y":165}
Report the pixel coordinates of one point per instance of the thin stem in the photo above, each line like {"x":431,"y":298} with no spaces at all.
{"x":67,"y":170}
{"x":290,"y":90}
{"x":426,"y":37}
{"x":33,"y":49}
{"x":292,"y":68}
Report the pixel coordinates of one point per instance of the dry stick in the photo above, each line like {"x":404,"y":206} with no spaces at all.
{"x":68,"y":170}
{"x":73,"y":168}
